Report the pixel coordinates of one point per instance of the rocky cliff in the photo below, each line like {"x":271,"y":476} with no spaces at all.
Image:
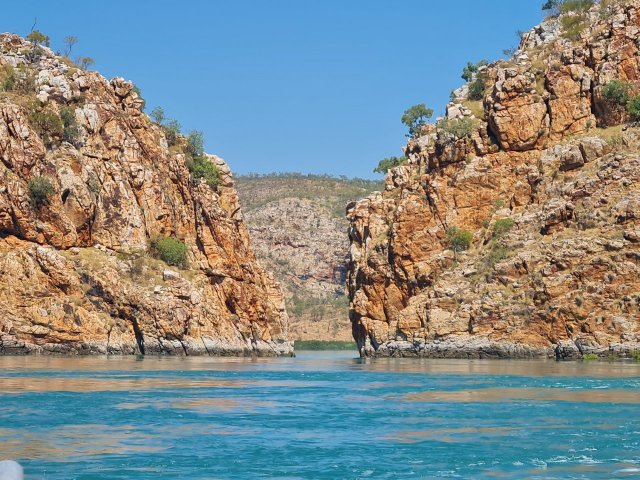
{"x":297,"y":225}
{"x":514,"y":229}
{"x":88,"y":183}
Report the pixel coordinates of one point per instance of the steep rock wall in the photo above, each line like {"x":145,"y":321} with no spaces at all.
{"x":552,"y":202}
{"x":77,"y":275}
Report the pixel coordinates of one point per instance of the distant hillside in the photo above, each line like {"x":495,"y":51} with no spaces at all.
{"x":298,"y":227}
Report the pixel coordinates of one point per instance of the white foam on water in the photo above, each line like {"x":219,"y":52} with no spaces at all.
{"x":582,"y":459}
{"x":588,"y":460}
{"x":558,"y":459}
{"x":539,"y":463}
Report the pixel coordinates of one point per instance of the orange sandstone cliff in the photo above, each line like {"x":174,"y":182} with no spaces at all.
{"x":544,"y":174}
{"x":76,"y":270}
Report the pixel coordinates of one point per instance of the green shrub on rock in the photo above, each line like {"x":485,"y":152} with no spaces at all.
{"x":170,"y":250}
{"x":201,"y":167}
{"x":138,"y":92}
{"x":71,"y":131}
{"x":502,"y":226}
{"x":471,"y":69}
{"x":496,"y":254}
{"x":458,"y":240}
{"x":573,"y":26}
{"x":574,"y":19}
{"x":172,"y":132}
{"x":556,"y":7}
{"x":567,"y":6}
{"x":476,"y":89}
{"x":40,"y":189}
{"x":8,"y":78}
{"x":459,"y":127}
{"x":616,"y":92}
{"x":634,"y":108}
{"x":388,"y":163}
{"x":195,"y":144}
{"x":47,"y":124}
{"x":25,"y":80}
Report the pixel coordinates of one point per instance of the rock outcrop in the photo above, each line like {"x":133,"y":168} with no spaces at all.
{"x":76,"y":270}
{"x":551,"y":204}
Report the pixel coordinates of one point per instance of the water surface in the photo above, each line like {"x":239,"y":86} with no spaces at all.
{"x":322,"y":415}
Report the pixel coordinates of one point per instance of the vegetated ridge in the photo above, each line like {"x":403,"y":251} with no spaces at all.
{"x":298,"y":229}
{"x":511,"y":228}
{"x":118,"y":234}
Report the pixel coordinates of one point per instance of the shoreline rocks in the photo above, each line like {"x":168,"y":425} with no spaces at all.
{"x":483,"y":348}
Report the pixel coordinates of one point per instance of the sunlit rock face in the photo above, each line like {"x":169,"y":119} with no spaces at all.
{"x":551,"y":204}
{"x":77,"y":273}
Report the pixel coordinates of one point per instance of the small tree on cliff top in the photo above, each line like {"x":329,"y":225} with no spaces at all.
{"x":157,"y":115}
{"x":69,"y":41}
{"x":416,"y":117}
{"x":471,"y":69}
{"x":85,"y":62}
{"x":38,"y":38}
{"x":195,"y":144}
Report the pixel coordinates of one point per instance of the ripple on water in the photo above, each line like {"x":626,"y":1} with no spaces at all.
{"x":320,"y":416}
{"x":76,"y":442}
{"x":492,"y":395}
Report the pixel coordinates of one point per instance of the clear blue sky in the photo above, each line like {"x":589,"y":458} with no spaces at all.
{"x":286,"y":85}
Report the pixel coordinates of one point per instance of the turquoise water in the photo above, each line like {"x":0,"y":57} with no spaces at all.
{"x":319,"y":416}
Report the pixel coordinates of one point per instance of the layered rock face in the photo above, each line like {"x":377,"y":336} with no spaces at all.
{"x":76,"y":274}
{"x":298,"y":228}
{"x":551,"y":202}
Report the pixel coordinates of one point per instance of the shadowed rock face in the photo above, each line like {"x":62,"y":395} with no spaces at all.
{"x":552,"y":202}
{"x":76,"y":275}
